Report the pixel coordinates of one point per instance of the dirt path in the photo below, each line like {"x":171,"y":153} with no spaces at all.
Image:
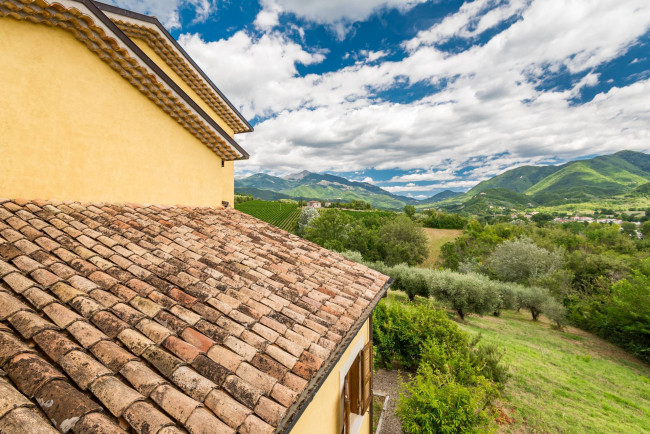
{"x":386,"y":382}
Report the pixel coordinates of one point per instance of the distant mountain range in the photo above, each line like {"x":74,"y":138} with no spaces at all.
{"x":308,"y":185}
{"x":523,"y":187}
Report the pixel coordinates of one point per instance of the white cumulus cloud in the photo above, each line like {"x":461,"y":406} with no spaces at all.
{"x":491,"y":104}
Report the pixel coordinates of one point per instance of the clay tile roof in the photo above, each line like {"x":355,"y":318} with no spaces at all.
{"x":166,"y":319}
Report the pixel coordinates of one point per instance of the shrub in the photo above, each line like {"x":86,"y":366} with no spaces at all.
{"x":400,"y":331}
{"x":456,"y":379}
{"x":437,"y":403}
{"x":408,"y":334}
{"x":487,"y":361}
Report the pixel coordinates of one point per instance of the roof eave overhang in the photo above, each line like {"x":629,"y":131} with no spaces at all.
{"x":154,"y":21}
{"x":94,"y":7}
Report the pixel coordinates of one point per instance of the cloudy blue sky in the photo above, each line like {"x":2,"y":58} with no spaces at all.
{"x":420,"y":96}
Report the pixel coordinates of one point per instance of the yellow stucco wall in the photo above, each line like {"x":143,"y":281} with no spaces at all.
{"x":323,"y":415}
{"x":182,"y":84}
{"x":72,"y":128}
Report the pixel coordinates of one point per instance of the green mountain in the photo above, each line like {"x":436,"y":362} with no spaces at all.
{"x":576,"y":181}
{"x":308,"y":185}
{"x":497,"y":200}
{"x":443,"y":195}
{"x":262,"y":194}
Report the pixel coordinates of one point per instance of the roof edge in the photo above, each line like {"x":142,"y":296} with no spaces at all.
{"x":287,"y":424}
{"x":157,"y":23}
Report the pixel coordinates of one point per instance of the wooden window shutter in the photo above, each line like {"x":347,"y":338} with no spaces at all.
{"x":354,"y":374}
{"x":346,"y":405}
{"x":366,"y":376}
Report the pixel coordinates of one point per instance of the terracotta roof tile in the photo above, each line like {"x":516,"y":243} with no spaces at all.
{"x":181,"y":348}
{"x":55,"y":344}
{"x":210,"y":369}
{"x":18,"y":282}
{"x":174,"y":402}
{"x":227,"y":408}
{"x":143,"y":379}
{"x":294,"y":382}
{"x":242,"y":391}
{"x":114,"y":394}
{"x":225,"y":357}
{"x":106,"y":321}
{"x":165,"y":362}
{"x":30,"y":372}
{"x":156,"y":312}
{"x":136,"y":342}
{"x":38,"y":298}
{"x":192,"y":383}
{"x":86,"y":334}
{"x":270,"y":411}
{"x":22,"y":420}
{"x":64,"y":405}
{"x":203,"y":422}
{"x":254,"y":425}
{"x":283,"y":395}
{"x":112,"y":355}
{"x":153,"y":330}
{"x":82,"y":368}
{"x":11,"y":399}
{"x":198,"y":340}
{"x":28,"y":323}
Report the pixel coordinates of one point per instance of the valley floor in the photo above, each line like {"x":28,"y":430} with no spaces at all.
{"x":569,"y":382}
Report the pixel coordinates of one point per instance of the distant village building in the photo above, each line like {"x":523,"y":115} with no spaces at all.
{"x":314,"y":204}
{"x":328,"y":204}
{"x":120,"y":316}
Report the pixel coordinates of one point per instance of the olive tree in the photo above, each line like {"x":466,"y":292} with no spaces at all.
{"x":522,"y":260}
{"x":307,"y":215}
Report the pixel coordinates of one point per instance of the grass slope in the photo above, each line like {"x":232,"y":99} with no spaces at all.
{"x":438,"y":237}
{"x":583,"y":175}
{"x":518,"y":180}
{"x":569,"y":382}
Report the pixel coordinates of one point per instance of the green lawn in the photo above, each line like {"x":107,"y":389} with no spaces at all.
{"x":569,"y":382}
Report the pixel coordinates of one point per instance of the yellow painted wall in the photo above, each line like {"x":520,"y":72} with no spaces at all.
{"x":72,"y":128}
{"x":323,"y":415}
{"x":182,"y":84}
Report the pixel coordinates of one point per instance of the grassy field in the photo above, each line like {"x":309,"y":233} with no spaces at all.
{"x":568,"y":382}
{"x":438,"y":237}
{"x":283,"y":215}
